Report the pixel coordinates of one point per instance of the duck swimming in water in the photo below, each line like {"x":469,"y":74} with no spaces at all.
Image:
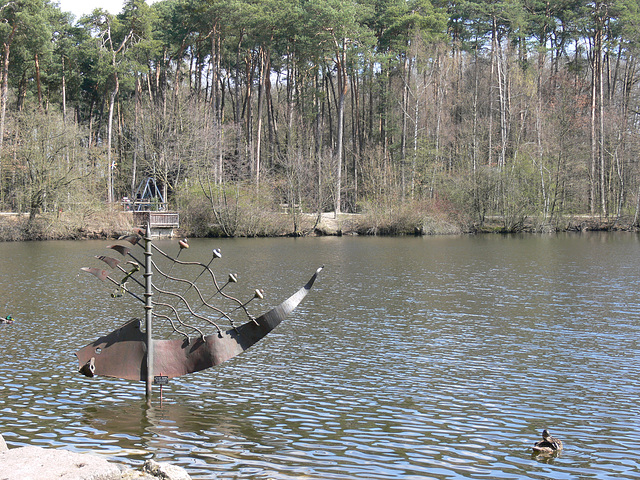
{"x":7,"y":320}
{"x":548,"y":444}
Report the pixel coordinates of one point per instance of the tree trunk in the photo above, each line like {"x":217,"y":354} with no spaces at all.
{"x":248,"y":113}
{"x":318,"y":136}
{"x":38,"y":82}
{"x":137,"y":128}
{"x":603,"y":169}
{"x":217,"y":87}
{"x":597,"y":155}
{"x":64,"y":94}
{"x":4,"y":88}
{"x":112,"y":102}
{"x":263,"y":74}
{"x":342,"y":93}
{"x":405,"y":115}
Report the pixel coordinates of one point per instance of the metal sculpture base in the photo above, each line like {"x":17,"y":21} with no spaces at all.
{"x":122,"y":353}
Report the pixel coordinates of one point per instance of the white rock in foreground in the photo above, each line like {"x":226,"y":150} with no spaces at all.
{"x":37,"y":463}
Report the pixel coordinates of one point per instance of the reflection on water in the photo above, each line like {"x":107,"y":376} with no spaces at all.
{"x":411,"y":358}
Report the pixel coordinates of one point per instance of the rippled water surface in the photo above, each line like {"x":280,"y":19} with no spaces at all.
{"x":411,"y":358}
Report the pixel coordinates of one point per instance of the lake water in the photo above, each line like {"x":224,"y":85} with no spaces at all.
{"x":412,"y":358}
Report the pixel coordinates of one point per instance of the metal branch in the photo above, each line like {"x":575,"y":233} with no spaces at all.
{"x":213,"y":278}
{"x":164,"y":292}
{"x":168,"y":318}
{"x":175,"y":279}
{"x":175,"y":312}
{"x":205,"y":268}
{"x":215,"y":254}
{"x":231,"y":279}
{"x":183,"y":244}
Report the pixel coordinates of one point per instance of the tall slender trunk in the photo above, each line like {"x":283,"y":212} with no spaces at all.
{"x":4,"y":88}
{"x":355,"y":131}
{"x":474,"y":132}
{"x":414,"y":160}
{"x":503,"y":100}
{"x":494,"y":48}
{"x":603,"y":169}
{"x":64,"y":94}
{"x":342,"y":93}
{"x":272,"y":123}
{"x":318,"y":135}
{"x":111,"y":165}
{"x":403,"y":133}
{"x":112,"y":102}
{"x":137,"y":128}
{"x":263,"y":74}
{"x":217,"y":86}
{"x":594,"y":146}
{"x":598,"y":171}
{"x":290,"y":94}
{"x":237,"y":104}
{"x":36,"y":59}
{"x":248,"y":112}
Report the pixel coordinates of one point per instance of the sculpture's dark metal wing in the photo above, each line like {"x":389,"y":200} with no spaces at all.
{"x":121,"y":353}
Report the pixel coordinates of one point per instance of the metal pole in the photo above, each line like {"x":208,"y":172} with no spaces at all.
{"x":148,"y":307}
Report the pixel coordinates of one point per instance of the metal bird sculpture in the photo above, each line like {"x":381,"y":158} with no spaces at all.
{"x":130,"y":353}
{"x":121,"y":353}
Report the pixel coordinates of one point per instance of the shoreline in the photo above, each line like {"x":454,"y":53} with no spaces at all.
{"x":108,"y":226}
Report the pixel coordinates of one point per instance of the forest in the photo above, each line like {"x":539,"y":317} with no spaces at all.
{"x":404,"y":111}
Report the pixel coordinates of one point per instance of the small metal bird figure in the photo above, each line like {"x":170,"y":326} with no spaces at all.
{"x":132,"y":239}
{"x":112,"y":262}
{"x":98,"y":272}
{"x":121,"y":249}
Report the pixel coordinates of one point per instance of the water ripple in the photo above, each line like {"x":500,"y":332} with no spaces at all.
{"x":412,"y":358}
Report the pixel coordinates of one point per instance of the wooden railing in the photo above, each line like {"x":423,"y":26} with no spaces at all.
{"x":158,"y":219}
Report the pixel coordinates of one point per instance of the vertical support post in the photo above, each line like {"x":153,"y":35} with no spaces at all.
{"x":148,"y":310}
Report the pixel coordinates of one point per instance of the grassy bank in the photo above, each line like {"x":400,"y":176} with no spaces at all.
{"x":65,"y":225}
{"x":199,"y":222}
